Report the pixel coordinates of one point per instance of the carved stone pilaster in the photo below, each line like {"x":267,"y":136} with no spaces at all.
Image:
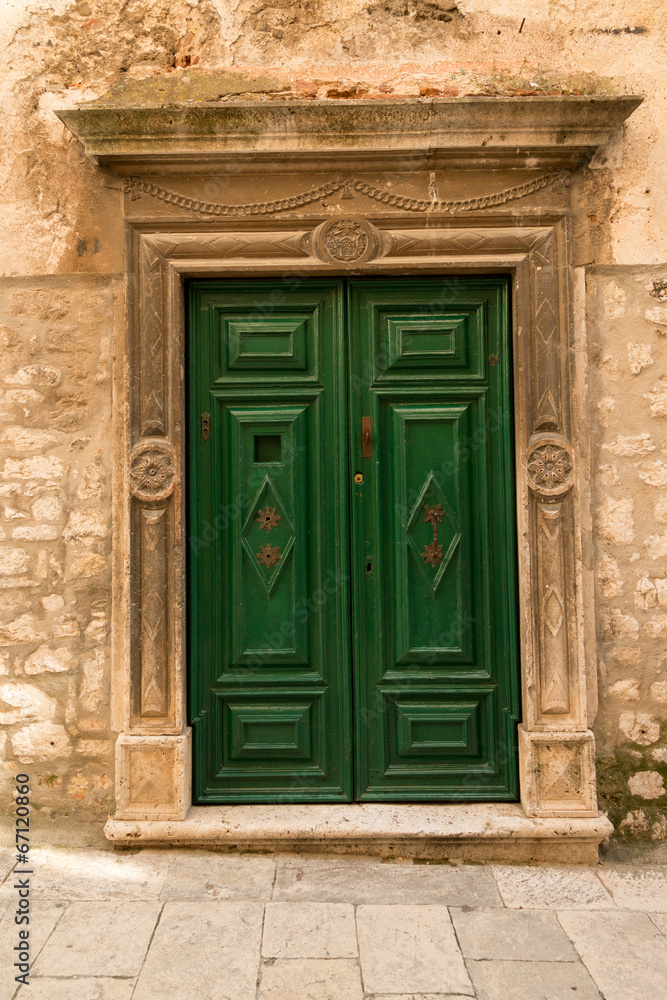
{"x":152,"y":480}
{"x":153,"y":776}
{"x":550,"y":474}
{"x":558,"y":772}
{"x":152,"y":352}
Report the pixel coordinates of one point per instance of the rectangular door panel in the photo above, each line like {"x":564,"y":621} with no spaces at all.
{"x":433,"y":546}
{"x":428,"y":532}
{"x":269,"y":567}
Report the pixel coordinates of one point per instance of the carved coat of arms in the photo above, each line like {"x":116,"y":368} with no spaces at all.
{"x":346,"y":240}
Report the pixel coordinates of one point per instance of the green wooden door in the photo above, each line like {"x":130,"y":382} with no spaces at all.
{"x":377,"y":663}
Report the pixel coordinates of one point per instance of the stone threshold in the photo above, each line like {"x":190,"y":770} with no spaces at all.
{"x":477,"y":832}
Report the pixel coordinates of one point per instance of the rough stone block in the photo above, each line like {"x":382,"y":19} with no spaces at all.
{"x":40,"y":741}
{"x":25,"y":702}
{"x":48,"y":660}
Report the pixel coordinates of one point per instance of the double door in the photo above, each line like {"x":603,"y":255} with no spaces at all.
{"x":352,"y":570}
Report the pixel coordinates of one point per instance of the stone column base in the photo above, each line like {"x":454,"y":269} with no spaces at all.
{"x":557,"y":773}
{"x":154,"y":777}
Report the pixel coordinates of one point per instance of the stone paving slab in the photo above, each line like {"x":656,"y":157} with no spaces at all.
{"x":201,"y":925}
{"x":637,"y":888}
{"x":310,"y":979}
{"x":404,"y":948}
{"x":545,"y":888}
{"x":203,"y":951}
{"x":624,"y":952}
{"x":43,"y":919}
{"x":77,"y":989}
{"x":99,"y":939}
{"x":352,"y":880}
{"x":309,"y":930}
{"x":519,"y":935}
{"x":532,"y":981}
{"x":95,"y":875}
{"x":206,"y":875}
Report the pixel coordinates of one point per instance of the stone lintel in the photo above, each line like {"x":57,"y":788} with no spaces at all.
{"x":491,"y":832}
{"x":348,"y":134}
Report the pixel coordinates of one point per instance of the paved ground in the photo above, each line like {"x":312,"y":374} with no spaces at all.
{"x":196,"y":925}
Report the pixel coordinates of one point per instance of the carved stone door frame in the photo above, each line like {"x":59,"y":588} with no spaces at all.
{"x":171,"y":237}
{"x":556,"y":744}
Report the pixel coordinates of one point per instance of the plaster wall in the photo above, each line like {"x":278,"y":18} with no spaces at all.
{"x":61,"y":255}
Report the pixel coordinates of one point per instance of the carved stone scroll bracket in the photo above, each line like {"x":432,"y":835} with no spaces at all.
{"x":153,"y":776}
{"x":550,"y":465}
{"x":559,"y":774}
{"x":152,"y":470}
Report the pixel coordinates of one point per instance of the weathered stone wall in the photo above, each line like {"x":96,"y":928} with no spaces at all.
{"x":627,"y":327}
{"x":61,"y":253}
{"x":55,"y":504}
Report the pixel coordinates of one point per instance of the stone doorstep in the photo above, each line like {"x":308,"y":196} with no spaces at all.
{"x":483,"y":832}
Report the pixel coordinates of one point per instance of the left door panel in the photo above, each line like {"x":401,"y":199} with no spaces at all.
{"x":270,"y":697}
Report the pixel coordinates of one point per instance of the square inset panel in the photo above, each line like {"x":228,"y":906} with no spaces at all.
{"x":420,"y":341}
{"x":268,"y":735}
{"x":260,"y":732}
{"x":271,"y":343}
{"x":415,"y":343}
{"x":425,"y":729}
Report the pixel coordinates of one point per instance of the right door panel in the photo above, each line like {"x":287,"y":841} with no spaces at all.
{"x":435,"y":593}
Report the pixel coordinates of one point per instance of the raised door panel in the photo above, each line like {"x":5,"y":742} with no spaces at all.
{"x":269,"y":568}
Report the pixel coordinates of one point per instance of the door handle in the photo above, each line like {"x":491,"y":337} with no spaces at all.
{"x":366,"y":438}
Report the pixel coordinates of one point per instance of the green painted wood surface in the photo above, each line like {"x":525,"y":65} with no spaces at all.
{"x":436,"y":658}
{"x":418,"y":699}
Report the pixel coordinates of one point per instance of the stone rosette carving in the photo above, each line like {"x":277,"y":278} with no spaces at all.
{"x":550,"y":466}
{"x":152,"y":471}
{"x":346,"y":240}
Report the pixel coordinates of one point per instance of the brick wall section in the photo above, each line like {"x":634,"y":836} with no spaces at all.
{"x":55,"y":503}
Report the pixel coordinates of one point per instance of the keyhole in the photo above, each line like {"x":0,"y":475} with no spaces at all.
{"x":369,"y":567}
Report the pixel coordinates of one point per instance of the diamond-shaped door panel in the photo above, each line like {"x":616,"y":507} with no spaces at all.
{"x":433,"y":532}
{"x":268,"y":536}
